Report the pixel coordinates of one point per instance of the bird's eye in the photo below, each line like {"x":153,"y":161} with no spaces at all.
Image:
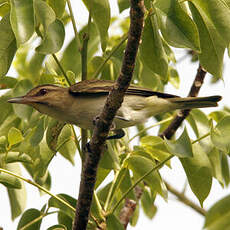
{"x":42,"y":92}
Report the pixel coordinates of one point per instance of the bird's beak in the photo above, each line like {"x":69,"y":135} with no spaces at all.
{"x":21,"y":100}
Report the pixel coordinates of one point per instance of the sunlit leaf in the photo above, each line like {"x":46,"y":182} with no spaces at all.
{"x":140,"y":166}
{"x":182,"y":147}
{"x":10,"y":181}
{"x":176,"y":26}
{"x":220,"y":134}
{"x":12,"y":157}
{"x":38,"y":132}
{"x":147,"y":203}
{"x":53,"y":39}
{"x":199,"y":173}
{"x":14,"y":136}
{"x":58,"y":7}
{"x":151,"y":49}
{"x":17,"y":197}
{"x":211,"y":42}
{"x":100,"y":11}
{"x":218,"y":216}
{"x":22,"y":19}
{"x":7,"y":45}
{"x":113,"y":223}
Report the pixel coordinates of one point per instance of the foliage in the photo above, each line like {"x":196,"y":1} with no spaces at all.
{"x":31,"y":139}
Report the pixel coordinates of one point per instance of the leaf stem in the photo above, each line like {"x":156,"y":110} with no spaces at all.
{"x":74,"y":25}
{"x":61,"y":68}
{"x":125,"y":37}
{"x":158,"y":166}
{"x":152,"y":126}
{"x":200,"y":138}
{"x":38,"y":186}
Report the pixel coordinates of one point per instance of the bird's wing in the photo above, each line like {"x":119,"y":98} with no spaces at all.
{"x":104,"y":86}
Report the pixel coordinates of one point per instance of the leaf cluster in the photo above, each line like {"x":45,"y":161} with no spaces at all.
{"x":32,"y":36}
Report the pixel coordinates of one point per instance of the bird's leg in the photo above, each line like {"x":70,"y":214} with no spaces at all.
{"x":119,"y":133}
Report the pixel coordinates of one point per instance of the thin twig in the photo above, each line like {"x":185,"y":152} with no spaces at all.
{"x":38,"y":186}
{"x":61,"y":68}
{"x":181,"y":197}
{"x":74,"y":25}
{"x":102,"y":126}
{"x":99,"y":69}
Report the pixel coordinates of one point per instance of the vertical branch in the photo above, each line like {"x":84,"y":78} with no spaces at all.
{"x":102,"y":126}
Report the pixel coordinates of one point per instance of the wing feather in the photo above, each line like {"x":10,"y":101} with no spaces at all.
{"x":89,"y":87}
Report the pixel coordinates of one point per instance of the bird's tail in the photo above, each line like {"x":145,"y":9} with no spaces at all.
{"x":194,"y":102}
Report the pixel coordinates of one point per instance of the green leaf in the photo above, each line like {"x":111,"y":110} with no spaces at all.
{"x":147,"y":203}
{"x":52,"y":134}
{"x":7,"y":45}
{"x":17,"y":197}
{"x":221,"y":133}
{"x":123,"y":5}
{"x":112,"y":223}
{"x":140,"y":166}
{"x":63,"y":208}
{"x":100,"y":11}
{"x":10,"y":181}
{"x":44,"y":13}
{"x":173,"y":77}
{"x":156,"y":147}
{"x":199,"y":173}
{"x":211,"y":42}
{"x":218,"y":216}
{"x":65,"y":220}
{"x":29,"y":216}
{"x":22,"y":19}
{"x":176,"y":26}
{"x":53,"y":39}
{"x":215,"y":157}
{"x":58,"y":7}
{"x":14,"y":136}
{"x":151,"y":49}
{"x":12,"y":157}
{"x":7,"y":82}
{"x":182,"y":147}
{"x":4,"y":9}
{"x":216,"y":13}
{"x":66,"y":144}
{"x":38,"y":132}
{"x":57,"y":227}
{"x":71,"y":58}
{"x":22,"y":111}
{"x":225,"y":169}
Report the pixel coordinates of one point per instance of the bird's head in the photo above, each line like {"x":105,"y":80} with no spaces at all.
{"x":47,"y":99}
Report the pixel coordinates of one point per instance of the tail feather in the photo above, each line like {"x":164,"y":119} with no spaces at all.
{"x":195,"y":102}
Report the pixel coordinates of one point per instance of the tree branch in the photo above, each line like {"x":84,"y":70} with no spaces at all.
{"x":181,"y":197}
{"x":102,"y":126}
{"x":182,"y":114}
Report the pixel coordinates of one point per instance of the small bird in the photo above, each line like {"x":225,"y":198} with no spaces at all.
{"x":82,"y":102}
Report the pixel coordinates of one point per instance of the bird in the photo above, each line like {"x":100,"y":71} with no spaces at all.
{"x":81,"y":103}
